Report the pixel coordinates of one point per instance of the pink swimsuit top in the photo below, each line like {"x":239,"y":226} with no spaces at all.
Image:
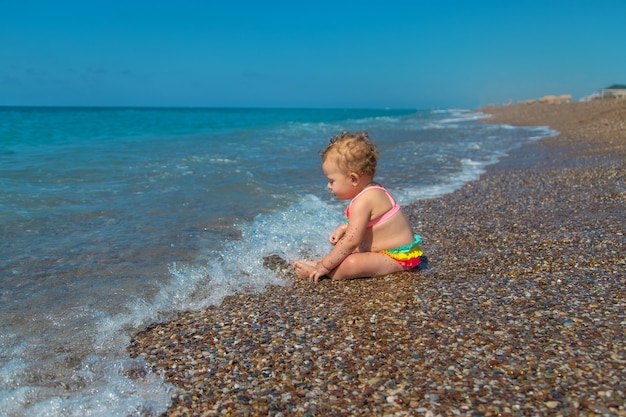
{"x":395,"y":207}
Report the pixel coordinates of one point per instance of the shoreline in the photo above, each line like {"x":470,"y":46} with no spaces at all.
{"x":585,"y":130}
{"x":521,"y":310}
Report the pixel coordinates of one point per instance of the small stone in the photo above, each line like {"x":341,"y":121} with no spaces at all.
{"x":552,"y":404}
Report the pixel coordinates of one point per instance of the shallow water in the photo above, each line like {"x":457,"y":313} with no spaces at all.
{"x":112,"y":219}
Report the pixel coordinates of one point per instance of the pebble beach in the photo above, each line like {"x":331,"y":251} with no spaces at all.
{"x":520,"y":309}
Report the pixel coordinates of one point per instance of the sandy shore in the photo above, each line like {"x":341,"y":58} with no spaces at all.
{"x":521,"y":311}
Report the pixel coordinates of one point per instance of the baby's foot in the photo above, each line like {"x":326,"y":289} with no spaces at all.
{"x":304,"y":268}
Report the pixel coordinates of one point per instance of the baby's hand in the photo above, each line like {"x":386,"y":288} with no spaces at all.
{"x":319,"y":271}
{"x":337,"y":234}
{"x":310,"y":270}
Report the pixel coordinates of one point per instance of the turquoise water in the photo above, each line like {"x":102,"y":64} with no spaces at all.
{"x":114,"y":218}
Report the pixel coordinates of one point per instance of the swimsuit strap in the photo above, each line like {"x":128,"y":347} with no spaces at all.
{"x":395,"y":207}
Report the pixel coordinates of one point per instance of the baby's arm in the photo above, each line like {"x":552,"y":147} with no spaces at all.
{"x":342,"y":249}
{"x":348,"y":236}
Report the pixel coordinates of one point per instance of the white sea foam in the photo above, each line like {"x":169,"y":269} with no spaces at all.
{"x":470,"y":171}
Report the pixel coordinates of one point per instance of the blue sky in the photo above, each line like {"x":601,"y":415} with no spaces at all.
{"x":399,"y":54}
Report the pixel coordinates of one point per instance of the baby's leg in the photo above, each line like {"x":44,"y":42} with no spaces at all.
{"x":356,"y":265}
{"x":365,"y":264}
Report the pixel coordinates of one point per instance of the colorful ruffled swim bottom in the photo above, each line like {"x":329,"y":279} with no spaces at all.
{"x":409,"y":256}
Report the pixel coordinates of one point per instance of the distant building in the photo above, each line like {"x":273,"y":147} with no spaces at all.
{"x":615,"y":91}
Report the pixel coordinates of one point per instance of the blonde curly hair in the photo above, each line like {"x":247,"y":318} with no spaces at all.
{"x":353,"y":152}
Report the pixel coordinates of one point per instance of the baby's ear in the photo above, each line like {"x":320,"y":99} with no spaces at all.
{"x":354,"y":177}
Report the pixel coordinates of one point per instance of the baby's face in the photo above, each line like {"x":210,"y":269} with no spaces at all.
{"x":339,"y":183}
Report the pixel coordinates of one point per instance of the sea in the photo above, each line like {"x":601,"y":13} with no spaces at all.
{"x":113,"y":219}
